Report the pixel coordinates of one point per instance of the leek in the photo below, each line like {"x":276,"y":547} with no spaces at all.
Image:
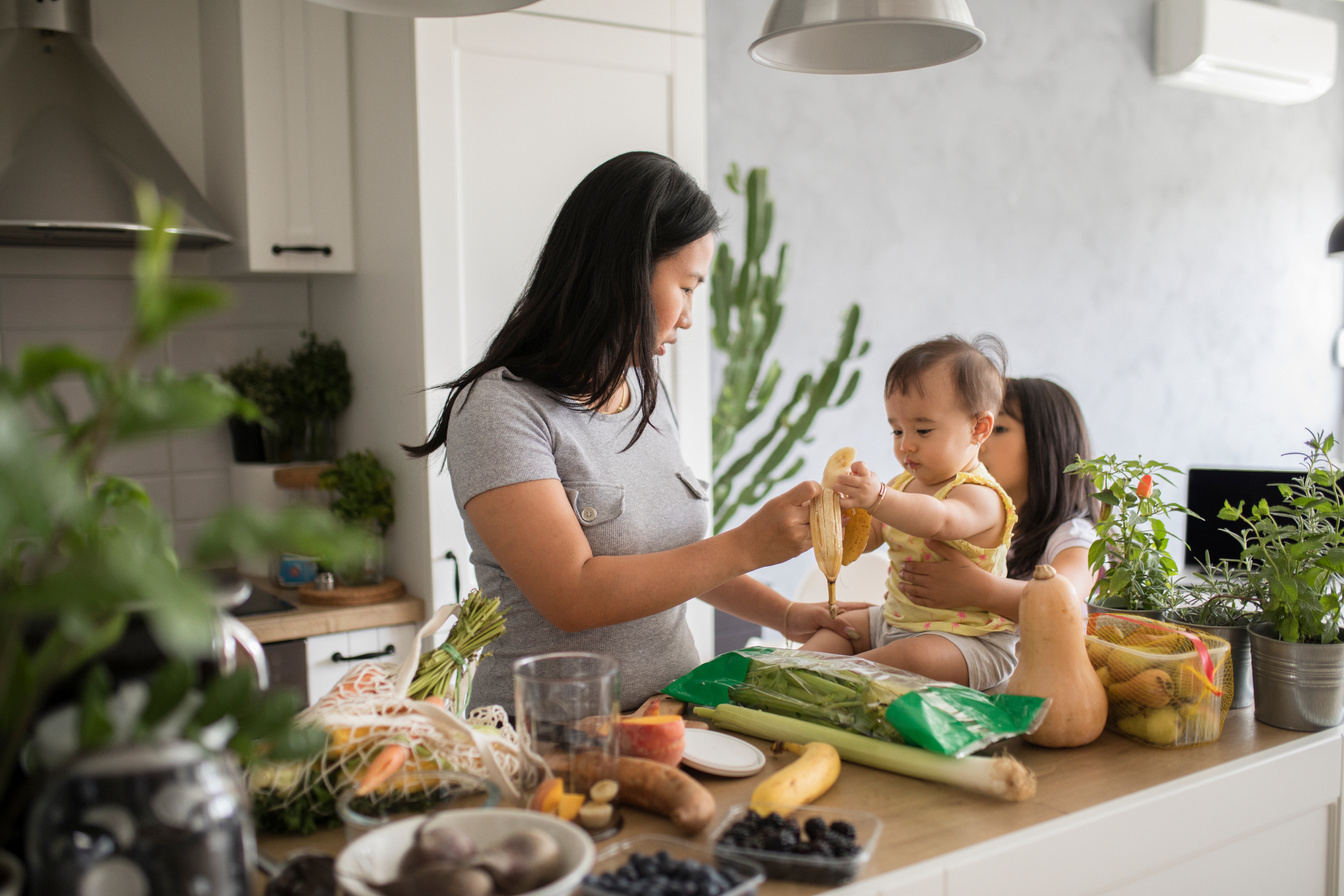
{"x":999,"y":776}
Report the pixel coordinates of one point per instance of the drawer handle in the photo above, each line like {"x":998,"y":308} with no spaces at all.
{"x":339,"y":657}
{"x":308,"y":250}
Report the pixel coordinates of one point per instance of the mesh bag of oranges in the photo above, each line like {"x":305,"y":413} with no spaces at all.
{"x":1166,"y":685}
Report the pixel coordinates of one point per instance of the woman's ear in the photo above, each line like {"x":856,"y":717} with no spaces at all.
{"x":984,"y":425}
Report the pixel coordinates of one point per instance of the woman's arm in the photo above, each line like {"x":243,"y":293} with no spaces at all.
{"x":957,"y":582}
{"x":531,"y":530}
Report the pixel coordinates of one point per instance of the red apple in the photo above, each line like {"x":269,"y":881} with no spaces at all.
{"x":660,"y":738}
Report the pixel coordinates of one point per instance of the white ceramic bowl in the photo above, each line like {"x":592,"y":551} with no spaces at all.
{"x":376,"y":855}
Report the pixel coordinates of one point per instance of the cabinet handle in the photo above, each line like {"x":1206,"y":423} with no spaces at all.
{"x":339,"y":657}
{"x":277,"y":249}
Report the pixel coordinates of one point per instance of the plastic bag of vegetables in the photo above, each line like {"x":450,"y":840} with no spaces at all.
{"x":861,"y":696}
{"x":375,"y":729}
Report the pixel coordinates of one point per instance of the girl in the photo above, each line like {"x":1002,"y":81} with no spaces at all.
{"x":1040,"y":432}
{"x":941,"y":397}
{"x":563,"y":448}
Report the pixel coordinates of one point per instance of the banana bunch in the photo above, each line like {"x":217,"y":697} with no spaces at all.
{"x":834,"y":543}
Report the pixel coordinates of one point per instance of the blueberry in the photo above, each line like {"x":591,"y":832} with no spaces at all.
{"x":844,"y":829}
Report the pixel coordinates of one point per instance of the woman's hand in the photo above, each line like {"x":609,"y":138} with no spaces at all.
{"x":780,"y":530}
{"x":802,"y":621}
{"x":954,"y":582}
{"x":859,"y":487}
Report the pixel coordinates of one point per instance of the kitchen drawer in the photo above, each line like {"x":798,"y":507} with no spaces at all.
{"x":331,"y":656}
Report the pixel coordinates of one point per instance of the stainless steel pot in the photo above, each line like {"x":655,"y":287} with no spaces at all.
{"x":1297,"y":686}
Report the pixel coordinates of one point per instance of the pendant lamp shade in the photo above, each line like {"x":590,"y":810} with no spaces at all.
{"x":427,"y":9}
{"x":859,"y":37}
{"x":1336,"y":245}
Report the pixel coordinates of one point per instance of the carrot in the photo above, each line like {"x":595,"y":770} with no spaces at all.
{"x":384,"y":765}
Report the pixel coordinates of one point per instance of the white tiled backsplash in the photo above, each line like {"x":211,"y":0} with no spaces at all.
{"x":187,"y":473}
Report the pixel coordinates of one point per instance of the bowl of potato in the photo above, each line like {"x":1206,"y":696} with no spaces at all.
{"x":471,"y":852}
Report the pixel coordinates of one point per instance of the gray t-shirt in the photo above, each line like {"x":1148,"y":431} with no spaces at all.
{"x":509,"y":430}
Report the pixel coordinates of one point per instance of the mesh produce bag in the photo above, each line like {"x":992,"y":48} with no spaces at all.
{"x":366,"y":711}
{"x":1166,"y":685}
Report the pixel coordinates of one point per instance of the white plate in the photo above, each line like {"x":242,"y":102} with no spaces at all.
{"x":721,"y":754}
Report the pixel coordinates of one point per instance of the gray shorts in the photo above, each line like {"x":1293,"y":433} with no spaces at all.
{"x":990,"y":658}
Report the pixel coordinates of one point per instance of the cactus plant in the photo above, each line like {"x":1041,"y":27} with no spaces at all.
{"x":747,"y":312}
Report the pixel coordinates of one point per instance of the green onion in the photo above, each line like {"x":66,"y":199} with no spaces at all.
{"x":1001,"y":776}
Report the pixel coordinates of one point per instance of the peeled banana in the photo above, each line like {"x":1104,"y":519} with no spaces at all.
{"x":834,"y":543}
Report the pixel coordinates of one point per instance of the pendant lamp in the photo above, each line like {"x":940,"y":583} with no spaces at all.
{"x":427,"y":9}
{"x":1336,"y":244}
{"x":859,"y":37}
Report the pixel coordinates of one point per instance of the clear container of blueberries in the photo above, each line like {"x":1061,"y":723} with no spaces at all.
{"x":853,"y":835}
{"x":633,"y":866}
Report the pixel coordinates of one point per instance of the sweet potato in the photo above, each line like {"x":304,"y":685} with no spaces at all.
{"x":654,"y":787}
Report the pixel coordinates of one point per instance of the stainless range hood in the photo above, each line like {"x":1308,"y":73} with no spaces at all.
{"x":73,"y":146}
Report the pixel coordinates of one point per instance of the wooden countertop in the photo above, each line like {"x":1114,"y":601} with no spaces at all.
{"x":923,"y":820}
{"x":307,"y":620}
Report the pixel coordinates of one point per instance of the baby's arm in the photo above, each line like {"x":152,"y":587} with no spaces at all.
{"x":971,"y":512}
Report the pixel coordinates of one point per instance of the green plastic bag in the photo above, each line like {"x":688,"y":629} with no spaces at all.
{"x":859,"y":695}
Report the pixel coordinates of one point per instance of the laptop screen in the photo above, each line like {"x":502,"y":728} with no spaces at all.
{"x":1207,"y":489}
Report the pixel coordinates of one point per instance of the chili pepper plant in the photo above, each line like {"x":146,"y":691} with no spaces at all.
{"x":1135,"y":569}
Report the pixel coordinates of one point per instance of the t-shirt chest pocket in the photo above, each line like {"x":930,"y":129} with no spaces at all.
{"x":595,"y":503}
{"x":698,"y":488}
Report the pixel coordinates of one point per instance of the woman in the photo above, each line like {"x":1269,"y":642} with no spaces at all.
{"x":563,"y":449}
{"x":1040,"y":432}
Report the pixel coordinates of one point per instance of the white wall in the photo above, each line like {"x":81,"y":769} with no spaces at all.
{"x":1158,"y":251}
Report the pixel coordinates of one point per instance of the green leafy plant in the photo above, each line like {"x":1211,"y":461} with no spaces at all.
{"x":260,"y":381}
{"x":363,"y":488}
{"x":1294,"y":551}
{"x":747,"y":314}
{"x":83,"y":552}
{"x":1220,"y":594}
{"x":1136,"y":570}
{"x":319,"y":378}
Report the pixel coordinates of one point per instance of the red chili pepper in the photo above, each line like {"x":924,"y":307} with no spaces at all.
{"x":1145,"y":486}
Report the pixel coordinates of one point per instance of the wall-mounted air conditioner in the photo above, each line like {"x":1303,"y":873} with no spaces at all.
{"x":1244,"y":48}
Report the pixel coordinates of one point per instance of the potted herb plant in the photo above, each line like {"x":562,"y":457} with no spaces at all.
{"x":318,"y":390}
{"x":363,"y":490}
{"x":1222,"y":601}
{"x":1294,"y":554}
{"x":87,"y":557}
{"x":261,"y":382}
{"x":1135,"y":570}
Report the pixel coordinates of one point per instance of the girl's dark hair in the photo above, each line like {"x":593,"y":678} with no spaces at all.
{"x":587,"y":310}
{"x":977,"y":370}
{"x":1056,"y":436}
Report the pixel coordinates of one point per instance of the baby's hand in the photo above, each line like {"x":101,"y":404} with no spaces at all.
{"x":858,"y":488}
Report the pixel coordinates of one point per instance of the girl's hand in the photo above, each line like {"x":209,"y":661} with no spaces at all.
{"x":781,"y":529}
{"x":858,"y":488}
{"x":954,"y":582}
{"x":802,"y":621}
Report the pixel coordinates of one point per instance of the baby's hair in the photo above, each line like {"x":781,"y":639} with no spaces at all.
{"x":978,"y":368}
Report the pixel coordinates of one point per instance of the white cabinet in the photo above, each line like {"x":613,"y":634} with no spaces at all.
{"x":331,"y":656}
{"x":276,"y":90}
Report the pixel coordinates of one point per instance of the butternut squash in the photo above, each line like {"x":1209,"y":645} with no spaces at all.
{"x":1053,"y":663}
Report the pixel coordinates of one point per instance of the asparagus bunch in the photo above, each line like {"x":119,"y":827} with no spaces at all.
{"x":447,"y":670}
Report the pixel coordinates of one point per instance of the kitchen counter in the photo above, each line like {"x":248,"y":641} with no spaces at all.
{"x":307,"y":620}
{"x":1257,"y":811}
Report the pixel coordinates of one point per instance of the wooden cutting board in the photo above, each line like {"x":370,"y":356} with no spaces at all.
{"x":352,"y":595}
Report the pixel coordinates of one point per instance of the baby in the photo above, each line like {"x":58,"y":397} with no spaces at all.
{"x":941,"y":399}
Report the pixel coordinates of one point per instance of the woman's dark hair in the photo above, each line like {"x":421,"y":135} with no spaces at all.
{"x":587,"y":310}
{"x":1056,"y":436}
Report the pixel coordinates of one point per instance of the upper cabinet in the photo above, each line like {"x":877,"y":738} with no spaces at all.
{"x":276,"y":90}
